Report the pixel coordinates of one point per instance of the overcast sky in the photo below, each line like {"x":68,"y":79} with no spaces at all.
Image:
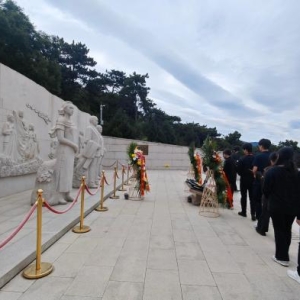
{"x":229,"y":64}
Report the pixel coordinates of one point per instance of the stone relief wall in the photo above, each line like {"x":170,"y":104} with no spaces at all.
{"x":20,"y":154}
{"x":27,"y":113}
{"x":28,"y":153}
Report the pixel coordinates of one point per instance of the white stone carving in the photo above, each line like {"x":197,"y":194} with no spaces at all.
{"x":20,"y":147}
{"x":39,"y":113}
{"x":22,"y":134}
{"x":10,"y":168}
{"x":32,"y":148}
{"x":102,"y":152}
{"x":9,"y":133}
{"x":45,"y":180}
{"x":88,"y":159}
{"x":80,"y":143}
{"x":65,"y":131}
{"x":53,"y":147}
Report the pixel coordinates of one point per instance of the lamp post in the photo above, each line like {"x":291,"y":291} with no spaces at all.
{"x":101,"y":111}
{"x":138,"y":99}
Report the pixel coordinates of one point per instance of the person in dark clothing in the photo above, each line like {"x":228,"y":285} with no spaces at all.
{"x":229,"y":169}
{"x":282,"y":188}
{"x":261,"y":161}
{"x":236,"y":157}
{"x":244,"y":169}
{"x":295,"y":274}
{"x":263,"y":222}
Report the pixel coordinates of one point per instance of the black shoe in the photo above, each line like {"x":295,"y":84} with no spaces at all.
{"x":259,"y":232}
{"x":242,"y":214}
{"x":253,"y":218}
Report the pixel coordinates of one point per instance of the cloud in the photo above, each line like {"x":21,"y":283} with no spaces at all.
{"x":124,"y":29}
{"x":229,"y":64}
{"x":295,"y":124}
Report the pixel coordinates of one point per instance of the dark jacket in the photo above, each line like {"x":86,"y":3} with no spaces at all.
{"x":282,"y":188}
{"x":244,"y":169}
{"x":229,"y":169}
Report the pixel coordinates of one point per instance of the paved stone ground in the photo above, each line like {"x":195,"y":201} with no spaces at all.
{"x":161,"y":248}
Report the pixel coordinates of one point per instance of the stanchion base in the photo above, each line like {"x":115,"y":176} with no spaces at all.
{"x":114,"y":197}
{"x":84,"y":229}
{"x":103,"y":208}
{"x":31,"y":273}
{"x":122,"y":190}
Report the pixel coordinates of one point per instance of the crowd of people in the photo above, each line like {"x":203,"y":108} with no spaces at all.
{"x":271,"y":182}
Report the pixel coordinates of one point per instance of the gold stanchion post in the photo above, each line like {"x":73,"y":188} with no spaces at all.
{"x":39,"y":269}
{"x":82,"y":228}
{"x":101,"y":207}
{"x":122,"y":187}
{"x":114,"y":196}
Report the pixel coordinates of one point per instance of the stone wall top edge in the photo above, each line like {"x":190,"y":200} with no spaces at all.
{"x":142,"y":142}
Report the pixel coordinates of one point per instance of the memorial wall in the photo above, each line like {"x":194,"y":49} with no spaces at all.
{"x":28,"y":112}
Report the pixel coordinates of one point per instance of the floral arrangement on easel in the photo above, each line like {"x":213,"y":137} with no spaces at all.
{"x":138,"y":162}
{"x":196,"y":163}
{"x":213,"y":161}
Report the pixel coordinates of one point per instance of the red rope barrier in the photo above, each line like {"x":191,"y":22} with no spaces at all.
{"x":89,"y":192}
{"x":66,"y":210}
{"x":105,"y":180}
{"x":19,"y":227}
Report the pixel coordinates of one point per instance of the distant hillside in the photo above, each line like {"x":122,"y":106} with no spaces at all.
{"x":254,"y":144}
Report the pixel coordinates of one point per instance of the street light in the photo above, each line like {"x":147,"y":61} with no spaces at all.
{"x":101,"y":110}
{"x":138,"y":99}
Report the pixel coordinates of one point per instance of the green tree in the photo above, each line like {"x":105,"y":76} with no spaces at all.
{"x":233,"y":139}
{"x":289,"y":143}
{"x":67,"y":71}
{"x":22,"y":47}
{"x":120,"y":126}
{"x":134,"y":95}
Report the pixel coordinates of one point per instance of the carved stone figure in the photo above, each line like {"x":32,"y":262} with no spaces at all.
{"x":20,"y":141}
{"x":45,"y":181}
{"x":32,"y":149}
{"x":87,"y":162}
{"x":8,"y":131}
{"x":53,"y":147}
{"x":80,"y":142}
{"x":20,"y":147}
{"x":64,"y":130}
{"x":102,"y":152}
{"x":22,"y":136}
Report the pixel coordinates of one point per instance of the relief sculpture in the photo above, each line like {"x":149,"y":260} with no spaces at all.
{"x":55,"y":176}
{"x":87,"y":163}
{"x":20,"y":153}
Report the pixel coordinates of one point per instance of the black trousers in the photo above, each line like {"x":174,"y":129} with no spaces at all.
{"x":282,"y":224}
{"x":298,"y":268}
{"x":257,"y":195}
{"x":264,"y":219}
{"x":247,"y":187}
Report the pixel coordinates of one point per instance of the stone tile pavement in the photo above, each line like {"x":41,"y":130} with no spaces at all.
{"x":159,"y":248}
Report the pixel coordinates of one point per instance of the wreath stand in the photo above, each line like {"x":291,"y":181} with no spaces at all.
{"x":209,"y":206}
{"x":134,"y":193}
{"x":189,"y":175}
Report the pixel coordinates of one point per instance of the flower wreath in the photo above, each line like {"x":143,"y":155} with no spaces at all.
{"x":138,"y":162}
